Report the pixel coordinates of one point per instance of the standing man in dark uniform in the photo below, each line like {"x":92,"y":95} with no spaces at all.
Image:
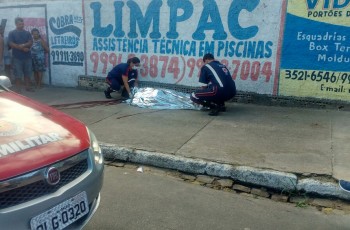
{"x":124,"y":74}
{"x":219,"y":86}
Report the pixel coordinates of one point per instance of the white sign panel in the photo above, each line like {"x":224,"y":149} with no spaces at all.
{"x":66,"y":36}
{"x":171,"y":37}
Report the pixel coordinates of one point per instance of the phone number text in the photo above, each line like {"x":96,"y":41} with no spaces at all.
{"x":178,"y":67}
{"x":71,"y":58}
{"x":318,"y":76}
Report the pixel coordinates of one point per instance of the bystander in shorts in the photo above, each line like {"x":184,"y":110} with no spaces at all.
{"x":7,"y":60}
{"x":22,"y":68}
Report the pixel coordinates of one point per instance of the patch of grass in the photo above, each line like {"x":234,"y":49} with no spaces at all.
{"x":302,"y":204}
{"x":296,"y":193}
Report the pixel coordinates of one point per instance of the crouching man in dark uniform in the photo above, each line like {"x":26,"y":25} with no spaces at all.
{"x":124,"y":74}
{"x":219,"y":86}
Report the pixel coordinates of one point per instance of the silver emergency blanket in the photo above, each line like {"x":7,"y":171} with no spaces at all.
{"x":152,"y":98}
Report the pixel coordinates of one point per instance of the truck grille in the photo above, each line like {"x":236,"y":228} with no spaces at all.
{"x":41,"y":188}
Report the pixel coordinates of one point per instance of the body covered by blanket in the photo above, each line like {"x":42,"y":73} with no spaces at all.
{"x":152,"y":98}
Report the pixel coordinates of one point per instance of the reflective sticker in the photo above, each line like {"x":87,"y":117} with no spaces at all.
{"x":215,"y":75}
{"x":8,"y":128}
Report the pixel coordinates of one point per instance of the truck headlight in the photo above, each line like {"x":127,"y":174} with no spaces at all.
{"x":95,"y":147}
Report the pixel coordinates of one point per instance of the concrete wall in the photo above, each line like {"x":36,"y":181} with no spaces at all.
{"x":297,"y":48}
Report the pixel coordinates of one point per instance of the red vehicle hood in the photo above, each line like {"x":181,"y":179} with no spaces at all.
{"x":33,"y":135}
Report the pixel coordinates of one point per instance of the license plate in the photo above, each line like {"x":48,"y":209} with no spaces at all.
{"x":62,"y":214}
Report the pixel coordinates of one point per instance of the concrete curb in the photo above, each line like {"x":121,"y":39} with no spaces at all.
{"x":322,"y":188}
{"x":259,"y":177}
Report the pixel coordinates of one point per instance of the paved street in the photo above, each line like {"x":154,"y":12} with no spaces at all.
{"x":153,"y":200}
{"x":277,"y":147}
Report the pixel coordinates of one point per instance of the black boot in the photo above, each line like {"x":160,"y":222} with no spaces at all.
{"x":108,"y":93}
{"x":215,"y":109}
{"x":222,"y":107}
{"x":206,"y":106}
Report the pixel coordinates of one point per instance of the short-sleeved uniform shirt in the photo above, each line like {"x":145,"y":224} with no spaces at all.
{"x":122,"y":69}
{"x":217,"y":74}
{"x":20,"y":37}
{"x":118,"y":71}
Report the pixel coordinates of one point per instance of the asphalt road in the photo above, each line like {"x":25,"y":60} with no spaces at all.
{"x":154,"y":200}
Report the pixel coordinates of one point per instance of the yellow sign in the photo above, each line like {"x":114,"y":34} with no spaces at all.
{"x":314,"y":83}
{"x":336,"y":12}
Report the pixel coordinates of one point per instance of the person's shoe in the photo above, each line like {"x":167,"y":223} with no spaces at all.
{"x":107,"y":94}
{"x":222,"y":108}
{"x":204,"y":108}
{"x":345,"y":185}
{"x":214,"y":111}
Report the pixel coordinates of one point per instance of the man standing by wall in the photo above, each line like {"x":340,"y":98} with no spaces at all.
{"x":21,"y":41}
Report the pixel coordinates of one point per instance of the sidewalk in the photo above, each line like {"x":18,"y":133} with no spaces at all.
{"x":277,"y":147}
